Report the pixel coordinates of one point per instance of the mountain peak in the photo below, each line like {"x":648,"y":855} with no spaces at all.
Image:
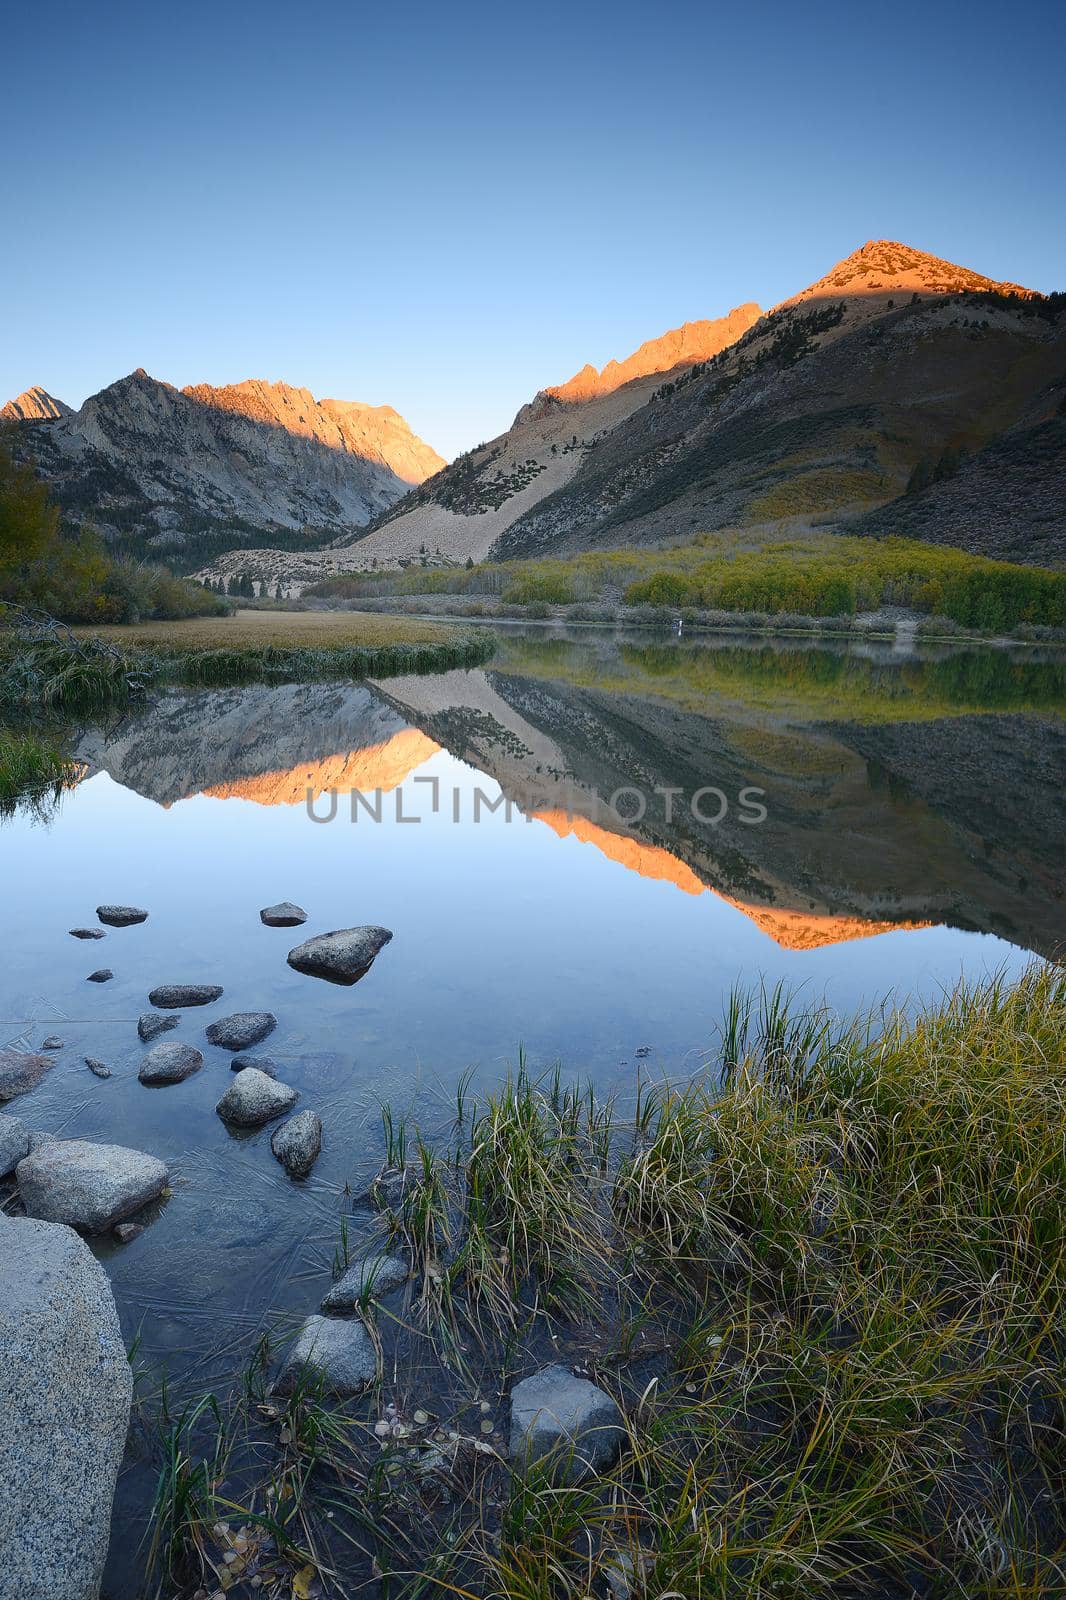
{"x":885,"y":267}
{"x":687,"y":345}
{"x":35,"y":405}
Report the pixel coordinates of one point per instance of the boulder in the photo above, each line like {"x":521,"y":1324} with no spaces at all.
{"x":21,"y":1072}
{"x":99,"y":1069}
{"x":337,"y":1351}
{"x":170,"y":1061}
{"x":150,"y":1024}
{"x":65,"y":1391}
{"x":242,"y":1029}
{"x":376,"y":1275}
{"x":555,"y":1413}
{"x":342,"y":956}
{"x":101,"y":975}
{"x":261,"y":1064}
{"x":14,"y":1143}
{"x":283,"y":915}
{"x":171,"y":996}
{"x":88,"y":1186}
{"x":253,"y":1098}
{"x":53,"y":1042}
{"x":121,"y":916}
{"x":297,"y":1143}
{"x":87,"y":933}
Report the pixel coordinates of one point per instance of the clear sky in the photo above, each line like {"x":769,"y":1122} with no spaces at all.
{"x":445,"y":207}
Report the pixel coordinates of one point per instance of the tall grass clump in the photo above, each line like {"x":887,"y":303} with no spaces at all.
{"x":824,"y":1281}
{"x":33,"y":771}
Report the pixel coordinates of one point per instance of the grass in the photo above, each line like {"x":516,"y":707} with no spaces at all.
{"x":255,"y":629}
{"x":814,"y":574}
{"x":33,"y":770}
{"x":825,"y":1281}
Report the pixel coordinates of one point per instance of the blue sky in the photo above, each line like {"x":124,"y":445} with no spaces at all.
{"x":446,"y":207}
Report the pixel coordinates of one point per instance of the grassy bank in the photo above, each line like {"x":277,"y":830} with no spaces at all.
{"x":824,"y":1281}
{"x":814,"y":575}
{"x":81,"y":671}
{"x":33,"y":770}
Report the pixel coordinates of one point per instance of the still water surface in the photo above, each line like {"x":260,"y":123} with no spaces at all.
{"x":913,"y":834}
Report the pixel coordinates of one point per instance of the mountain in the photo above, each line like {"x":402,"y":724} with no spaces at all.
{"x":185,"y":472}
{"x":34,"y":405}
{"x":819,"y":411}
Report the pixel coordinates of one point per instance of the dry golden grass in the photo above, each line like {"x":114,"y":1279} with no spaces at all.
{"x":287,"y":629}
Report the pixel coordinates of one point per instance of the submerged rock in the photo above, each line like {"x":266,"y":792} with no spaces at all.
{"x":297,"y":1143}
{"x":342,"y":956}
{"x":338,"y":1351}
{"x":121,"y":916}
{"x":20,"y":1072}
{"x":126,"y":1232}
{"x":14,"y":1143}
{"x":99,"y":1069}
{"x":66,"y":1387}
{"x":376,"y":1275}
{"x":253,"y":1098}
{"x":553,"y":1412}
{"x":167,"y":996}
{"x":170,"y":1062}
{"x":283,"y":915}
{"x":53,"y":1042}
{"x":260,"y":1063}
{"x":88,"y":1186}
{"x":101,"y":975}
{"x":242,"y":1029}
{"x":87,"y":933}
{"x":150,"y":1024}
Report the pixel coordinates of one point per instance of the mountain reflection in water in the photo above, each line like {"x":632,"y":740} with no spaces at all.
{"x":901,"y":790}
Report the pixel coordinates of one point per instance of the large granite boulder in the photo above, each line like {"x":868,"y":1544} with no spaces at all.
{"x":553,"y":1413}
{"x":297,"y":1143}
{"x":20,"y":1072}
{"x":342,"y":956}
{"x":65,"y":1393}
{"x":88,"y":1186}
{"x":242,"y":1030}
{"x":121,"y":916}
{"x":253,"y":1098}
{"x":337,"y":1351}
{"x":174,"y":996}
{"x":14,"y":1143}
{"x":170,"y":1061}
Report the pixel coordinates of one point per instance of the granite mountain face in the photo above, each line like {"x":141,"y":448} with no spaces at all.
{"x":183,"y":472}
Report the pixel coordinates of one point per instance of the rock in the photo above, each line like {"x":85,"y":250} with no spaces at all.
{"x":283,"y":915}
{"x":89,"y":1186}
{"x":168,"y":996}
{"x":87,"y":933}
{"x":242,"y":1029}
{"x":297,"y":1143}
{"x":260,"y":1063}
{"x":121,"y":916}
{"x":52,"y":1043}
{"x":38,"y":1140}
{"x":101,"y":975}
{"x":554,"y":1411}
{"x":126,"y":1232}
{"x":14,"y":1143}
{"x":98,"y":1068}
{"x":253,"y":1098}
{"x":338,"y":1351}
{"x":342,"y":956}
{"x":170,"y":1062}
{"x":150,"y":1024}
{"x":377,"y":1275}
{"x":20,"y":1072}
{"x":240,"y":1223}
{"x":65,"y":1392}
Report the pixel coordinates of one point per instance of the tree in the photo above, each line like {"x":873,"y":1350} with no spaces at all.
{"x":29,"y":524}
